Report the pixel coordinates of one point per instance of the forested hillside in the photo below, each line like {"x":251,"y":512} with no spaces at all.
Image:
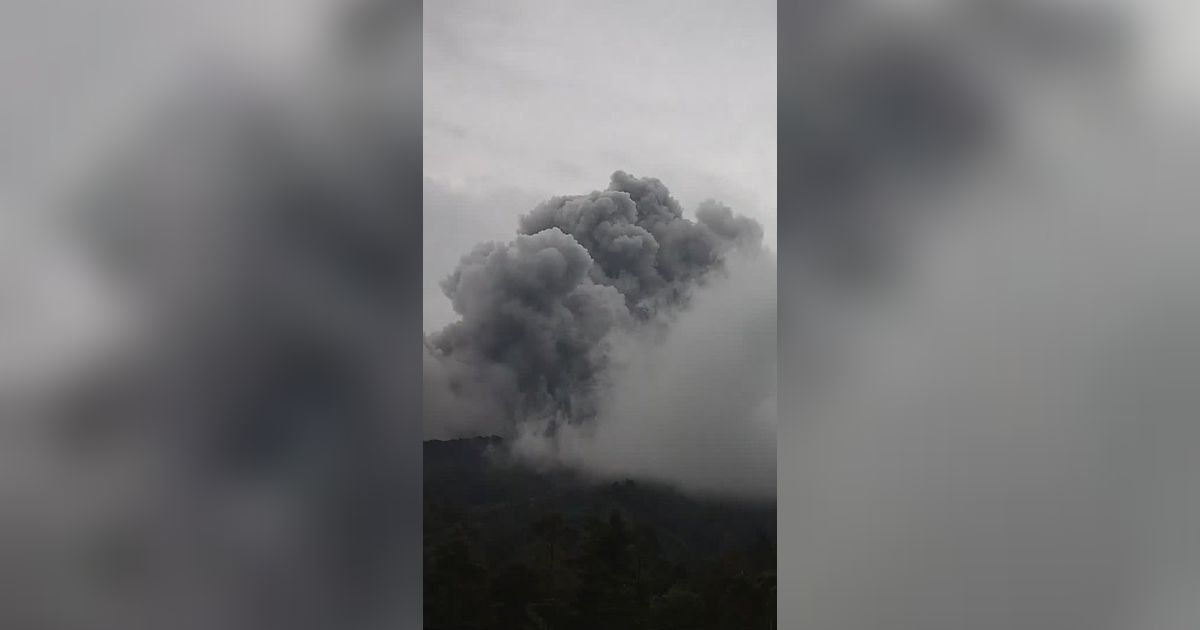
{"x":511,"y":548}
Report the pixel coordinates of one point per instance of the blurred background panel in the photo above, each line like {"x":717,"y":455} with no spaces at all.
{"x":210,"y":314}
{"x":988,"y":302}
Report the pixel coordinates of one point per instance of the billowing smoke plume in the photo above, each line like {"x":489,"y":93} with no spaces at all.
{"x":538,"y":315}
{"x":639,"y":241}
{"x":533,"y":325}
{"x":557,"y":324}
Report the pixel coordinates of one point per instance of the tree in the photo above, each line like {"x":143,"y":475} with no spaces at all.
{"x":456,"y":584}
{"x":551,"y":531}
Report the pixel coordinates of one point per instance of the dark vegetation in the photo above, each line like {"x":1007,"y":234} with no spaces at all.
{"x":511,"y":548}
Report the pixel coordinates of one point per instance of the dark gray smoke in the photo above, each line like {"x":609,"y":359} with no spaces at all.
{"x":640,"y":242}
{"x":538,"y":315}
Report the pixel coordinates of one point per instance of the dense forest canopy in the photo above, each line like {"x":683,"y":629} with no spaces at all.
{"x":510,"y":547}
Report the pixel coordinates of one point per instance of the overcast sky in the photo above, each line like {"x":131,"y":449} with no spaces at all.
{"x":526,"y":99}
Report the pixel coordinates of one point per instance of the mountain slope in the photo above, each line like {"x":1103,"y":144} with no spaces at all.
{"x":511,"y":547}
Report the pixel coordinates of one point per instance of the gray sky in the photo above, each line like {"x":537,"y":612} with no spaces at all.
{"x":526,"y":99}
